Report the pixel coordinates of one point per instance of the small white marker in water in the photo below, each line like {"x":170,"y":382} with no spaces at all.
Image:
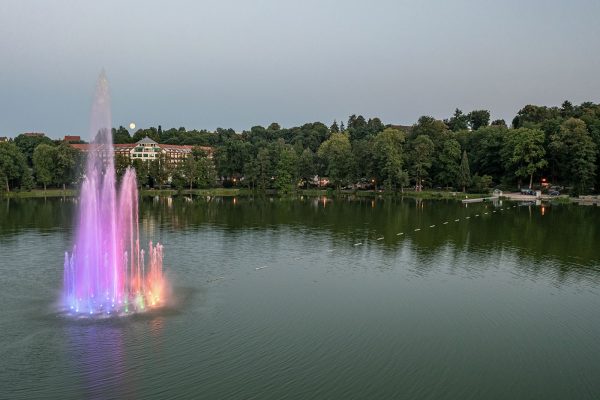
{"x":358,"y":244}
{"x":417,"y":230}
{"x":432,"y":226}
{"x":263,"y":267}
{"x":467,"y":217}
{"x":380,"y":238}
{"x":445,"y":222}
{"x":477,"y":215}
{"x":399,"y":233}
{"x":456,"y":220}
{"x":485,"y":213}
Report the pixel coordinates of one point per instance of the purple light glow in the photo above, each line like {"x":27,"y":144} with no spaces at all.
{"x":106,"y":272}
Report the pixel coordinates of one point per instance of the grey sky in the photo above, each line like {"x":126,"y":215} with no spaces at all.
{"x":205,"y":64}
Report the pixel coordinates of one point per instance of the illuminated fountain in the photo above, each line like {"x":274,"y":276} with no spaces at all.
{"x":107,"y":272}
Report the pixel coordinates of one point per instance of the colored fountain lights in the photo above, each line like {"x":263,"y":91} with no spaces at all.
{"x":107,"y":272}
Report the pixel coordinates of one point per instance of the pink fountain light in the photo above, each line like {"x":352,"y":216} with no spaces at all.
{"x":107,"y":273}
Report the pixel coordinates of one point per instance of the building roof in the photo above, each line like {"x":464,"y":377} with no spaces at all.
{"x":72,"y":138}
{"x":128,"y":146}
{"x":146,"y":140}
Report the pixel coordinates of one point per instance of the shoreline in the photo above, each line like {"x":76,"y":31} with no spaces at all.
{"x":244,"y":192}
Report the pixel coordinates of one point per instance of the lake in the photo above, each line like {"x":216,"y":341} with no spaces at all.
{"x":316,"y":298}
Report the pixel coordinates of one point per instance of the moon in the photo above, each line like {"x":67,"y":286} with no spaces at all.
{"x":132,"y":125}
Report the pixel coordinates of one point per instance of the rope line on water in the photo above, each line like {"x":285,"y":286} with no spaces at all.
{"x":443,"y":223}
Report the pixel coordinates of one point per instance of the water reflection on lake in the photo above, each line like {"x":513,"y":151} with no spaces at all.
{"x":317,"y":297}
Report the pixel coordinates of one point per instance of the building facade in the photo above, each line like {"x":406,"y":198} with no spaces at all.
{"x":149,"y":150}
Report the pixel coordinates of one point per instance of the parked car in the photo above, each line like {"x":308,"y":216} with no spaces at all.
{"x":554,"y":193}
{"x":528,"y":192}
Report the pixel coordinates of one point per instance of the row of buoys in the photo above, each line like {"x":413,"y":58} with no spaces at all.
{"x":434,"y":225}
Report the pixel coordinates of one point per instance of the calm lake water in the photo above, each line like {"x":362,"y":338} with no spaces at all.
{"x":314,"y":298}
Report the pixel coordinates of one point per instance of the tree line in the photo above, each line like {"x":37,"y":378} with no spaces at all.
{"x":466,"y":151}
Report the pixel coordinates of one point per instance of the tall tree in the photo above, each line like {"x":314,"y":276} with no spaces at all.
{"x":336,"y":152}
{"x":141,"y":171}
{"x":464,"y":175}
{"x":357,"y":127}
{"x":429,"y":126}
{"x":207,"y":174}
{"x":189,"y":170}
{"x":334,"y":128}
{"x":458,"y":121}
{"x":421,"y":158}
{"x":286,"y":170}
{"x":576,"y":152}
{"x":13,"y":166}
{"x":44,"y":163}
{"x":478,"y":119}
{"x":447,"y":161}
{"x":264,"y":168}
{"x":389,"y":158}
{"x":160,"y":170}
{"x":485,"y":148}
{"x":66,"y":163}
{"x":307,"y":166}
{"x":27,"y":145}
{"x":524,"y":152}
{"x":364,"y":159}
{"x":121,"y":135}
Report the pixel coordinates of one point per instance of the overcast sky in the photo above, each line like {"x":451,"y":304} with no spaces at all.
{"x":226,"y":63}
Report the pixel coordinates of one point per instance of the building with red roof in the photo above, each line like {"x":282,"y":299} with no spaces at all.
{"x":147,"y":150}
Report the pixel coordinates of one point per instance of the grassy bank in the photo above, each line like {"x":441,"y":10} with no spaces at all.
{"x":231,"y":192}
{"x":39,"y":193}
{"x":149,"y":192}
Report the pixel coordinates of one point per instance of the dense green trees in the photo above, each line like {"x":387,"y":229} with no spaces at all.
{"x":524,"y":152}
{"x":478,"y":119}
{"x":44,"y":163}
{"x":13,"y":167}
{"x":286,"y":171}
{"x":28,"y":143}
{"x":465,"y":151}
{"x":336,"y":153}
{"x":447,"y":162}
{"x":66,"y":164}
{"x":307,"y":167}
{"x":160,"y":170}
{"x":576,"y":153}
{"x":388,"y":153}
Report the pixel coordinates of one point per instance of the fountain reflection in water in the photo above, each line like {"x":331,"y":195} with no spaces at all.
{"x":107,"y":271}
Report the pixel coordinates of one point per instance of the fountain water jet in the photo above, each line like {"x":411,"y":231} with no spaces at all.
{"x":106,"y":272}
